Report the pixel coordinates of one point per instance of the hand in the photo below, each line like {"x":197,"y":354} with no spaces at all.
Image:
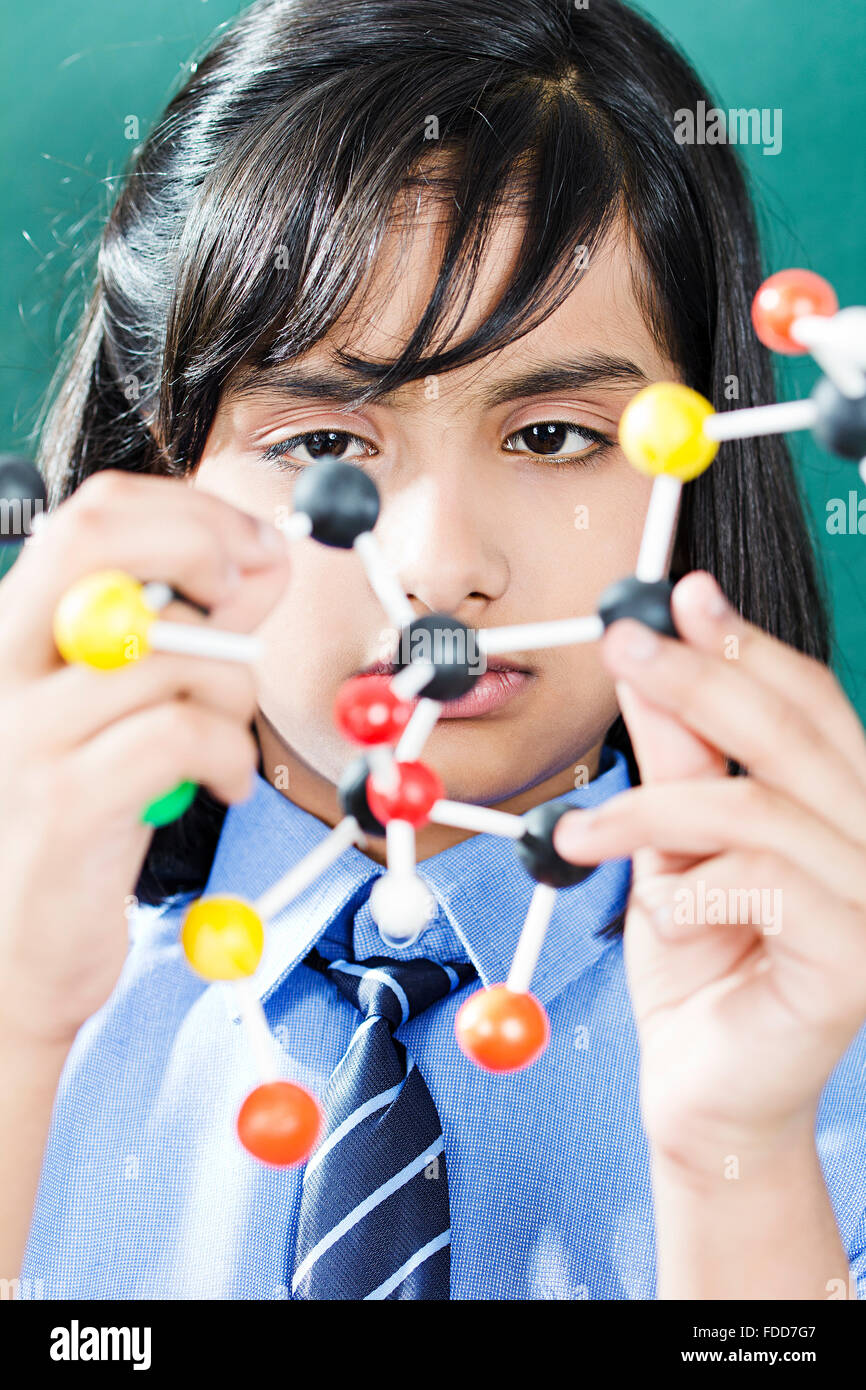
{"x":741,"y":1015}
{"x":83,"y":751}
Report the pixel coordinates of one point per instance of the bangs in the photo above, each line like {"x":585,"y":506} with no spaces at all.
{"x":284,"y":233}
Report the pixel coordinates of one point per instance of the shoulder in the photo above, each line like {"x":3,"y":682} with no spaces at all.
{"x":155,"y":983}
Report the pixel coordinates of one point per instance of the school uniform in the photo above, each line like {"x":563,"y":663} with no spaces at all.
{"x":146,"y":1192}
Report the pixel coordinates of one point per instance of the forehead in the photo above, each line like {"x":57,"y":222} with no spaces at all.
{"x":600,"y":315}
{"x":599,"y":320}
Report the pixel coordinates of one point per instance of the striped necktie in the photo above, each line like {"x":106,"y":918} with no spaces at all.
{"x":374,"y":1220}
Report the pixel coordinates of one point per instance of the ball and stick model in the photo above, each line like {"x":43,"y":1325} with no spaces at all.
{"x":668,"y":431}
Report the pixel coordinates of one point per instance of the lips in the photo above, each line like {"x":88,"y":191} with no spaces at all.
{"x":386,"y":668}
{"x":501,"y":682}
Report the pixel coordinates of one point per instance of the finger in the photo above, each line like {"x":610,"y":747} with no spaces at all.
{"x":140,"y":758}
{"x":707,"y":620}
{"x":73,"y":704}
{"x":784,"y":920}
{"x":664,"y":748}
{"x":705,"y":818}
{"x":670,"y":953}
{"x":665,"y":751}
{"x":153,"y":528}
{"x":750,"y":722}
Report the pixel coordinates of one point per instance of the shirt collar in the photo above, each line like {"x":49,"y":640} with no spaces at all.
{"x":482,"y":890}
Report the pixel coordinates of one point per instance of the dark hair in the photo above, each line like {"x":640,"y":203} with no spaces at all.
{"x":248,"y":218}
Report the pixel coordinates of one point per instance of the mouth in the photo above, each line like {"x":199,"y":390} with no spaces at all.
{"x":501,"y":682}
{"x":494,"y":663}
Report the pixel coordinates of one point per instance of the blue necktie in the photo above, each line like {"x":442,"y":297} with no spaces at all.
{"x":374,"y":1220}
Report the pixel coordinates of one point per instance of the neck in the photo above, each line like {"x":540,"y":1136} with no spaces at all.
{"x":284,"y":769}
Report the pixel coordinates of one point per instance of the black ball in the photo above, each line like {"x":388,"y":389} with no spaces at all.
{"x":646,"y":601}
{"x":340,"y":500}
{"x":22,"y":496}
{"x":841,"y":422}
{"x":352,"y":796}
{"x":453,"y":649}
{"x":536,"y":852}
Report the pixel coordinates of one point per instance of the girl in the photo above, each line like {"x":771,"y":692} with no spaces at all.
{"x":446,"y":243}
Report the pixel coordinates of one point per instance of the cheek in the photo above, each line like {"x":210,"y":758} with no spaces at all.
{"x":326,"y":625}
{"x":581,"y":692}
{"x":575,"y":544}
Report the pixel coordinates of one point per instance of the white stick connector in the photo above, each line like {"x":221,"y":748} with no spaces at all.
{"x":761,"y":419}
{"x":531,"y":938}
{"x":382,"y":581}
{"x":838,"y":351}
{"x":296,"y":527}
{"x":846,"y":330}
{"x":418,"y":730}
{"x":157,"y":595}
{"x":293,"y":883}
{"x":407,"y":683}
{"x":242,"y":647}
{"x":658,"y":529}
{"x":485,"y":819}
{"x":383,"y":766}
{"x":262,"y":1041}
{"x":559,"y":632}
{"x":400,"y":847}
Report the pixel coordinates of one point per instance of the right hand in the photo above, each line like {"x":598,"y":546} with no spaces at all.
{"x":83,"y":751}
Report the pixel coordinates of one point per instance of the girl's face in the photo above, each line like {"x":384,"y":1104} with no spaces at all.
{"x":498,"y":505}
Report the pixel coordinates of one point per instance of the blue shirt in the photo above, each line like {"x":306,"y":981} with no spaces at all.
{"x":145,"y":1191}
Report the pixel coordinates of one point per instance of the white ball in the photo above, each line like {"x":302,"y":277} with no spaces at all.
{"x":401,"y":905}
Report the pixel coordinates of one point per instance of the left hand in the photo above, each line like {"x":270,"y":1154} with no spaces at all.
{"x":741,"y":1017}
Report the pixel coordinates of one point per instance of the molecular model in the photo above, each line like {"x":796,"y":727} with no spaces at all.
{"x":668,"y":431}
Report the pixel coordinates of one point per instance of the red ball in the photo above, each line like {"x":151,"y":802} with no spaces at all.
{"x":416,"y":788}
{"x":786,"y":296}
{"x":502,"y":1030}
{"x":279,"y":1123}
{"x":366,"y":710}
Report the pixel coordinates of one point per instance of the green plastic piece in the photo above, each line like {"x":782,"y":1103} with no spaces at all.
{"x":171,"y":805}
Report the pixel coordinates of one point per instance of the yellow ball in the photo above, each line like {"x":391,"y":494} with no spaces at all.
{"x":223,"y":938}
{"x":662,"y":431}
{"x":103,"y":621}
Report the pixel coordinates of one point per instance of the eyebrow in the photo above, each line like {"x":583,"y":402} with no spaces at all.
{"x":339,"y":387}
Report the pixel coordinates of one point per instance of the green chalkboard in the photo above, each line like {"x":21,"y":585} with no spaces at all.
{"x":73,"y":74}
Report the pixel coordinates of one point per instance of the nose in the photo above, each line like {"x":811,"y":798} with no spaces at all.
{"x":439,"y":531}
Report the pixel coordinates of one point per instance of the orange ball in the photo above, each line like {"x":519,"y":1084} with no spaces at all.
{"x":501,"y":1029}
{"x":786,"y":296}
{"x":279,"y":1123}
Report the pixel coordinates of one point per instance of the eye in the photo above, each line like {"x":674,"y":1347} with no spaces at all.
{"x":560,"y":441}
{"x":319,"y":444}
